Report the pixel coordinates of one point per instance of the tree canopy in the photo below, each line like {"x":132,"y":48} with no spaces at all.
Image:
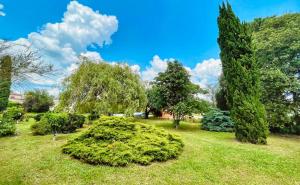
{"x":177,"y":94}
{"x":104,"y":88}
{"x":277,"y":44}
{"x":37,"y":101}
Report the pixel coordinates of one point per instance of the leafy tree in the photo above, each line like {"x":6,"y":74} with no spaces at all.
{"x":37,"y":101}
{"x":5,"y":81}
{"x":275,"y":87}
{"x":241,"y":74}
{"x":103,"y":88}
{"x":277,"y":43}
{"x":155,"y":101}
{"x":177,"y":93}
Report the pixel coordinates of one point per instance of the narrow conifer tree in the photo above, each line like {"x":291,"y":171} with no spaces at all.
{"x":5,"y":81}
{"x":242,"y":78}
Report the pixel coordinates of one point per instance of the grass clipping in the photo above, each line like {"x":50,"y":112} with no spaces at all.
{"x":119,"y":141}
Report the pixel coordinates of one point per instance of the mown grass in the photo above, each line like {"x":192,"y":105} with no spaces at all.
{"x":208,"y":158}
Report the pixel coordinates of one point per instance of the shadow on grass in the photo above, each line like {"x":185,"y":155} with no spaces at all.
{"x":168,"y":125}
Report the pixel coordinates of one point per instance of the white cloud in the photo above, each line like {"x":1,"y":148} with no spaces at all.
{"x":1,"y":8}
{"x":62,"y":43}
{"x":136,"y":69}
{"x":157,"y":65}
{"x":54,"y":92}
{"x":204,"y":73}
{"x":95,"y":56}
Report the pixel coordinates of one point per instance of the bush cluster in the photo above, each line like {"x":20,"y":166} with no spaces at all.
{"x":57,"y":123}
{"x":117,"y":141}
{"x":217,"y":120}
{"x":15,"y":113}
{"x":7,"y":127}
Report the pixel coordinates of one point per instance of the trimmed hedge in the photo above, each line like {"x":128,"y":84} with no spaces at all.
{"x":117,"y":141}
{"x":217,"y":120}
{"x":57,"y":123}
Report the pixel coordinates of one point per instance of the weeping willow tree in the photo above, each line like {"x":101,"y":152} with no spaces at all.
{"x":103,"y":88}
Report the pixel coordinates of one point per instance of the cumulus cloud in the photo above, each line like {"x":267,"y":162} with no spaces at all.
{"x":1,"y":8}
{"x":207,"y":72}
{"x":204,"y":73}
{"x":95,"y":56}
{"x":157,"y":65}
{"x":63,"y":42}
{"x":136,"y":69}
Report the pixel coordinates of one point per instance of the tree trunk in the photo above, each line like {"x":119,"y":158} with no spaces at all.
{"x":176,"y":121}
{"x":146,"y":114}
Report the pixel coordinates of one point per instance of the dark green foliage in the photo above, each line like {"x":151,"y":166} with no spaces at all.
{"x":38,"y":117}
{"x":5,"y":81}
{"x":155,"y":102}
{"x":57,"y":123}
{"x":76,"y":120}
{"x":217,"y":120}
{"x":37,"y":101}
{"x":7,"y":127}
{"x":241,"y":74}
{"x":93,"y":116}
{"x":14,"y":113}
{"x":118,"y":141}
{"x":221,"y":93}
{"x":176,"y":93}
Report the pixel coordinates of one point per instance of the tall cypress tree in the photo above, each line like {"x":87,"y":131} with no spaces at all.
{"x":242,"y":78}
{"x":5,"y":81}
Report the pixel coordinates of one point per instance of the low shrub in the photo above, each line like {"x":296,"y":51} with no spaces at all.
{"x":57,"y":123}
{"x":14,"y":113}
{"x":217,"y":120}
{"x":38,"y":116}
{"x":74,"y":121}
{"x":116,"y":141}
{"x":93,"y":116}
{"x":41,"y":127}
{"x":7,"y":127}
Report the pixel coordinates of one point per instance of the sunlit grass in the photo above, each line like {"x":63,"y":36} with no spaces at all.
{"x":208,"y":158}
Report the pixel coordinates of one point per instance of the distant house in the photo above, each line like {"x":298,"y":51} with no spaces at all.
{"x":166,"y":115}
{"x":16,"y":97}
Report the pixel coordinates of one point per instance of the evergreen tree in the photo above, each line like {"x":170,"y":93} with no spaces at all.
{"x":221,"y":95}
{"x":5,"y":81}
{"x":241,"y":74}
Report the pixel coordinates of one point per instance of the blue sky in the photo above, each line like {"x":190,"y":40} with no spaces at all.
{"x":142,"y":31}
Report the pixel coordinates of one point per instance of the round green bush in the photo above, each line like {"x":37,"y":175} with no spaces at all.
{"x":217,"y":120}
{"x":14,"y":113}
{"x":7,"y":127}
{"x":56,"y":123}
{"x":116,"y":141}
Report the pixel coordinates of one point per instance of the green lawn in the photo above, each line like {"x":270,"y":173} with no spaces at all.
{"x":208,"y":158}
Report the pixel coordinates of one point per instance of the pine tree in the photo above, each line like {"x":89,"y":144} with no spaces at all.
{"x":242,"y":78}
{"x":5,"y":81}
